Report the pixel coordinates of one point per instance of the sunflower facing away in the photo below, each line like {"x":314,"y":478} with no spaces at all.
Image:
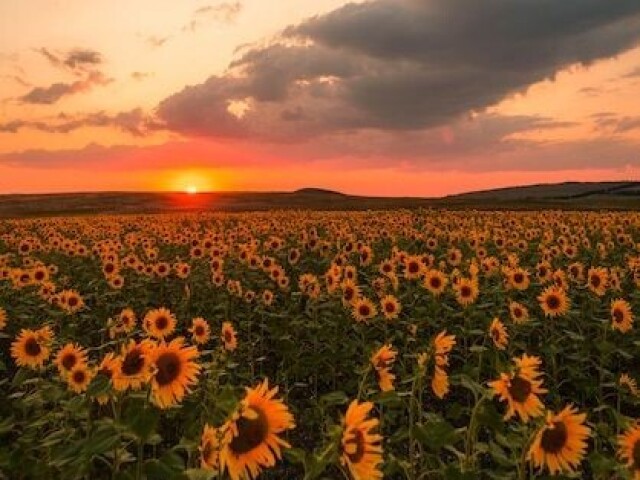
{"x":442,"y":346}
{"x":561,"y":443}
{"x":30,"y":348}
{"x":382,"y":360}
{"x":629,"y":449}
{"x":251,"y":441}
{"x":361,"y":447}
{"x":621,"y":315}
{"x":210,"y":448}
{"x":3,"y":318}
{"x":520,"y":388}
{"x":174,"y":371}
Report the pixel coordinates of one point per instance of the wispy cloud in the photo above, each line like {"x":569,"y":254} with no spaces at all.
{"x":77,"y":60}
{"x":56,"y":91}
{"x":225,"y":12}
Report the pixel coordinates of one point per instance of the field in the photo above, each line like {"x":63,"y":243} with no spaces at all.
{"x":417,"y":344}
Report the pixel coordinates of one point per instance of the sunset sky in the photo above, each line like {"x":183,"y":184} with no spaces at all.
{"x":386,"y":97}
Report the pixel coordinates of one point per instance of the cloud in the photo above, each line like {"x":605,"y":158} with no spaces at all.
{"x":225,"y":12}
{"x":400,"y":65}
{"x":77,"y":60}
{"x":157,"y":42}
{"x":134,"y":122}
{"x":17,"y":79}
{"x":141,"y":75}
{"x":54,"y":92}
{"x":633,"y":73}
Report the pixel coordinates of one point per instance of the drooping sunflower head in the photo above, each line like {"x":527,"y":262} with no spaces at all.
{"x":159,"y":323}
{"x":252,"y":440}
{"x":621,"y":315}
{"x":382,"y":360}
{"x":174,"y":371}
{"x":361,"y":447}
{"x":560,"y":444}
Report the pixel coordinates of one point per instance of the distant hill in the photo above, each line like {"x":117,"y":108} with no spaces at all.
{"x":570,"y":195}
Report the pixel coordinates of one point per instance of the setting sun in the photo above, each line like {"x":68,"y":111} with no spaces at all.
{"x":191,"y":190}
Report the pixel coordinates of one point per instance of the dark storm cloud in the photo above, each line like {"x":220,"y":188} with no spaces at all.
{"x":134,"y":122}
{"x":401,"y":65}
{"x":56,"y":91}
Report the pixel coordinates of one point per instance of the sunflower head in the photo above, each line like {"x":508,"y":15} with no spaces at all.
{"x":361,"y":446}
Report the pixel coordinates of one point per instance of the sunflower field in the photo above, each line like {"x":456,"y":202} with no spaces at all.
{"x":425,"y":344}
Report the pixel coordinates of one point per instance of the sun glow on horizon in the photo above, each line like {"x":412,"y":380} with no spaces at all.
{"x":191,"y":190}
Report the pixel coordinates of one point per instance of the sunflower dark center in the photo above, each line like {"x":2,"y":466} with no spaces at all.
{"x":495,"y":334}
{"x":595,"y":281}
{"x":518,"y":278}
{"x":251,"y":432}
{"x":72,"y":302}
{"x":358,"y":441}
{"x":79,"y":376}
{"x":390,"y":307}
{"x":39,"y":275}
{"x":32,"y":347}
{"x":69,"y":360}
{"x":618,"y":316}
{"x":132,"y":363}
{"x":162,"y":322}
{"x":520,"y":389}
{"x":414,"y":267}
{"x":465,"y":291}
{"x":364,"y":310}
{"x":435,"y":282}
{"x":554,"y":439}
{"x":553,"y":302}
{"x":168,"y":365}
{"x":349,"y":293}
{"x":517,"y":312}
{"x":227,"y":336}
{"x":199,"y":330}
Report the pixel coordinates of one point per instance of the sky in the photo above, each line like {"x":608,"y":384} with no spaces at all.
{"x":378,"y":97}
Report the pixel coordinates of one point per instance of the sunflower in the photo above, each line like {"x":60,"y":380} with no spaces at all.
{"x":629,"y":449}
{"x":629,"y":382}
{"x":561,"y":443}
{"x":520,"y":388}
{"x":229,"y":337}
{"x":133,"y":367}
{"x":435,"y":281}
{"x":350,"y":292}
{"x":554,"y":301}
{"x":30,"y":348}
{"x":159,"y":323}
{"x":442,"y":346}
{"x":621,"y":315}
{"x":106,"y":369}
{"x":466,"y":291}
{"x":413,"y":267}
{"x":518,"y":278}
{"x":210,"y":448}
{"x":363,"y":309}
{"x":498,"y":334}
{"x":382,"y":360}
{"x":390,"y":307}
{"x":70,"y":356}
{"x":597,"y":279}
{"x":251,"y":440}
{"x":200,"y":330}
{"x":361,"y":448}
{"x":79,"y":378}
{"x":3,"y":318}
{"x":518,"y":312}
{"x":174,"y":371}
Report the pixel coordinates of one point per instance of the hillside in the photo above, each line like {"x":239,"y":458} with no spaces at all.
{"x":570,"y":195}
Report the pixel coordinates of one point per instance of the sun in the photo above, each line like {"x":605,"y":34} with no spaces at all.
{"x":191,"y":190}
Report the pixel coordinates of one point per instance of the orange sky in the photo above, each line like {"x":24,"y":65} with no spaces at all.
{"x":108,"y":132}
